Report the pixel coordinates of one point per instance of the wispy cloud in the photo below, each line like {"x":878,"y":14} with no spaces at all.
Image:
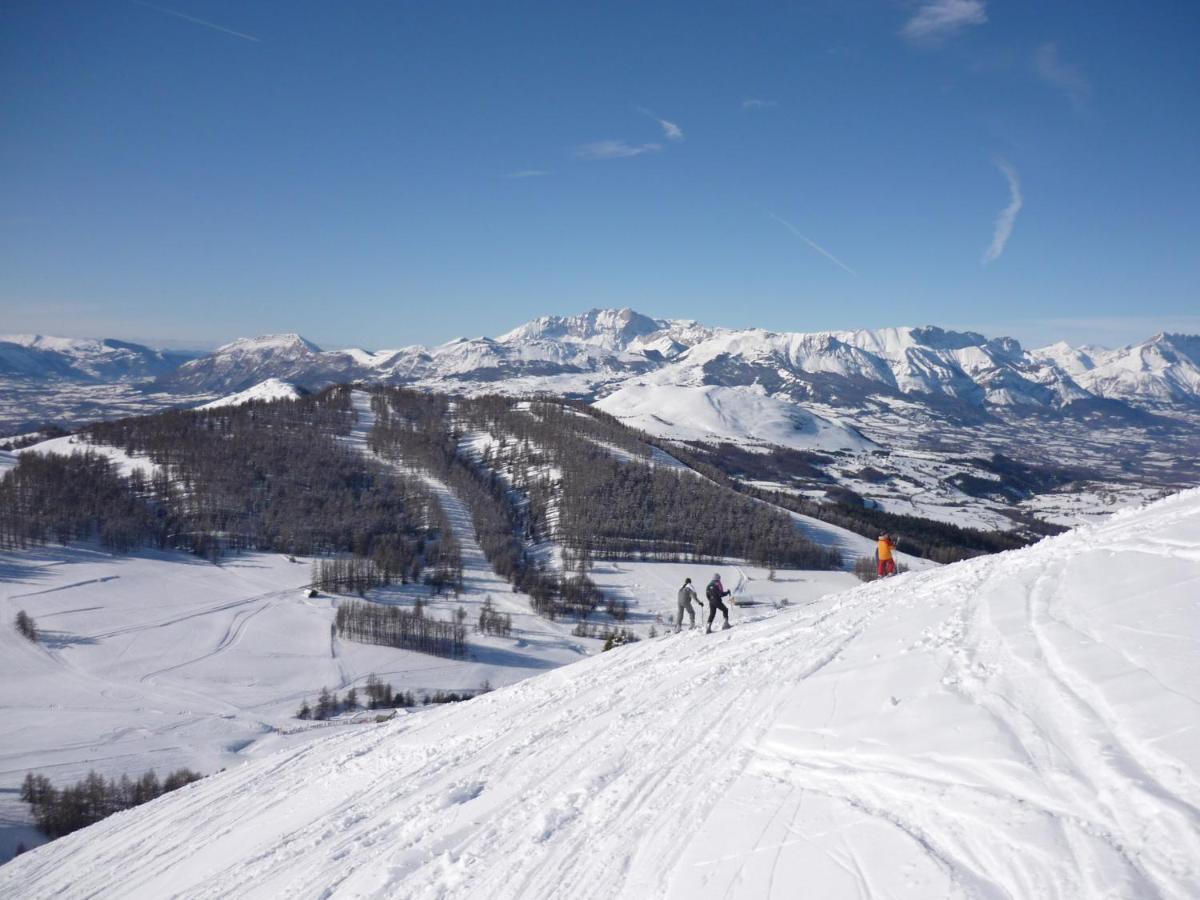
{"x":1062,"y":76}
{"x":671,"y":131}
{"x":527,"y":173}
{"x":755,"y":103}
{"x":195,"y":21}
{"x":614,"y":149}
{"x":1007,"y":217}
{"x":825,"y":253}
{"x":936,"y":20}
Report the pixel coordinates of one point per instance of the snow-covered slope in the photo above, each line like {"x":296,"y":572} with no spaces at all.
{"x":1162,"y":369}
{"x":1165,"y":368}
{"x":271,"y":389}
{"x":1020,"y":725}
{"x":740,"y":415}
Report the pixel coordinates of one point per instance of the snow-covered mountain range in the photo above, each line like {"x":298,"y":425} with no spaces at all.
{"x":596,"y":353}
{"x":601,"y":352}
{"x":1018,"y":725}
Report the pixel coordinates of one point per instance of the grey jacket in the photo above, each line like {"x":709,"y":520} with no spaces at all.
{"x":687,"y":594}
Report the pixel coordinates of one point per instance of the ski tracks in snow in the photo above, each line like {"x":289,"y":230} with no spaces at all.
{"x":973,"y":731}
{"x":1085,"y":804}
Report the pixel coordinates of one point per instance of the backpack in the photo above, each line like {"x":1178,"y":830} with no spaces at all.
{"x":711,"y":592}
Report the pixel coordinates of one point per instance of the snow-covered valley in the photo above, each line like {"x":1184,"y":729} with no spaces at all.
{"x":1021,"y":724}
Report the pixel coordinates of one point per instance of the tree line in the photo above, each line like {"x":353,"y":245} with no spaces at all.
{"x":379,"y":695}
{"x":393,"y":626}
{"x":939,"y":541}
{"x":79,"y":496}
{"x":59,"y":811}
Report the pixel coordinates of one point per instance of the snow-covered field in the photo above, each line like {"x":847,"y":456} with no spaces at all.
{"x":1020,"y":725}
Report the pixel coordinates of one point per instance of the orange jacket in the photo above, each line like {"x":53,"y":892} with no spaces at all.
{"x":885,"y":548}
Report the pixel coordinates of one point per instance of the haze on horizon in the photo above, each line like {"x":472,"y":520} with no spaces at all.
{"x":183,"y":174}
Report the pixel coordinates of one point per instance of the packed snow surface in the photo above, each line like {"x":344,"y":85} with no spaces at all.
{"x":1020,"y":725}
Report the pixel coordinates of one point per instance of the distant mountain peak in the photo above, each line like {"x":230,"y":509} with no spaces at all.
{"x":601,"y":326}
{"x":289,"y":342}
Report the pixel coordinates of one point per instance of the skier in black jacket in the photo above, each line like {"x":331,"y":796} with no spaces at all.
{"x":714,"y":593}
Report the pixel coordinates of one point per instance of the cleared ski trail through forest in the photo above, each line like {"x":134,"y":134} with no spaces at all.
{"x":1018,"y":725}
{"x":478,"y":577}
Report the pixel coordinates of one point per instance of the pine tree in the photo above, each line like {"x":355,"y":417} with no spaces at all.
{"x":324,"y":706}
{"x":25,"y":626}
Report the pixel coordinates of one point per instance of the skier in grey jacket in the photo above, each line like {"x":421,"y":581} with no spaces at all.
{"x":686,"y":595}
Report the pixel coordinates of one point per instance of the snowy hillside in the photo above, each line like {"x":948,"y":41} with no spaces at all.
{"x":271,"y":389}
{"x":1019,"y":725}
{"x":741,"y":415}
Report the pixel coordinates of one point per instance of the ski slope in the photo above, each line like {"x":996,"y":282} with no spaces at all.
{"x":1019,"y":725}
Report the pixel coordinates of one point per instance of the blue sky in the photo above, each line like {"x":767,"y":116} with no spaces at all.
{"x":390,"y":173}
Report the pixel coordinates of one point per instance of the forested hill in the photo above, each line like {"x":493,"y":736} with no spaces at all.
{"x":573,"y":477}
{"x":551,"y":485}
{"x":264,"y":476}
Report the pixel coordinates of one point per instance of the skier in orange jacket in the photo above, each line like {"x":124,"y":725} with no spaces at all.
{"x":884,"y":559}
